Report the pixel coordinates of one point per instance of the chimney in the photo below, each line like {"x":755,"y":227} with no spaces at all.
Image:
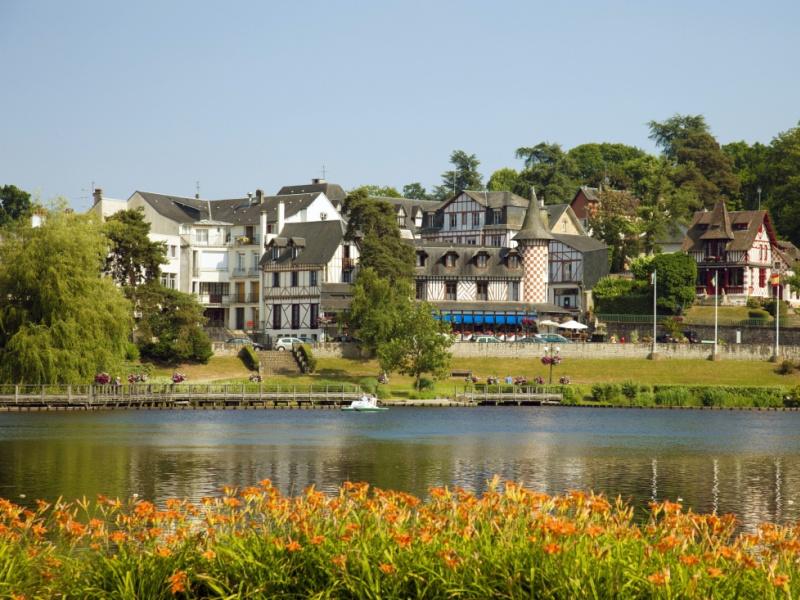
{"x":263,"y":227}
{"x":98,"y":195}
{"x":281,"y":217}
{"x":318,"y":180}
{"x":259,"y":196}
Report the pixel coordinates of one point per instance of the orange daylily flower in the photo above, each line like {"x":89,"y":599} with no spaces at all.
{"x":178,"y":582}
{"x":387,"y":568}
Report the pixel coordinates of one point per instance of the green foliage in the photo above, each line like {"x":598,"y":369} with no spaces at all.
{"x":753,"y":302}
{"x":769,"y":306}
{"x":786,"y":367}
{"x":673,"y":326}
{"x":379,"y":191}
{"x":677,"y":274}
{"x":673,"y":396}
{"x":629,"y":389}
{"x":425,"y":384}
{"x":463,"y":176}
{"x":15,"y":205}
{"x":249,"y":357}
{"x":170,"y":329}
{"x":757,"y":313}
{"x":133,"y":258}
{"x":607,"y":393}
{"x":308,"y":358}
{"x":642,"y":266}
{"x":416,"y":191}
{"x":615,"y":223}
{"x":616,"y":295}
{"x":381,"y":247}
{"x":419,"y":345}
{"x":131,"y":352}
{"x":376,"y":310}
{"x":503,"y":180}
{"x":61,"y":321}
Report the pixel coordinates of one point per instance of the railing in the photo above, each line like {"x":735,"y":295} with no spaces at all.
{"x":296,"y":291}
{"x":242,"y":298}
{"x":242,"y":272}
{"x":221,"y":240}
{"x":701,"y":321}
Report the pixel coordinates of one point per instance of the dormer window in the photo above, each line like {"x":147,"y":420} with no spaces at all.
{"x":421,"y":256}
{"x":275,"y":253}
{"x":482,"y":260}
{"x":513,"y":261}
{"x":496,"y":216}
{"x":450,"y":260}
{"x":295,"y":251}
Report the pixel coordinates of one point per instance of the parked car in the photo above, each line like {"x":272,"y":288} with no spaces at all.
{"x":691,"y":337}
{"x":240,"y":341}
{"x":486,"y":339}
{"x":286,"y":343}
{"x":345,"y":339}
{"x":530,"y":340}
{"x":553,"y":338}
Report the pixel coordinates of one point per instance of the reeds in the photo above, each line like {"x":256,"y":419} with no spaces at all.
{"x":363,"y":542}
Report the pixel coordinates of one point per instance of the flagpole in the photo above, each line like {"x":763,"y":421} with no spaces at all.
{"x":716,"y":301}
{"x":777,"y":319}
{"x":655,"y":290}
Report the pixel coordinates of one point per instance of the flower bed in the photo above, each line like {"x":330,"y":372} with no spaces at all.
{"x":362,"y":543}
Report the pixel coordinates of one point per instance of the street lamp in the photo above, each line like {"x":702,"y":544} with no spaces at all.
{"x":551,"y":357}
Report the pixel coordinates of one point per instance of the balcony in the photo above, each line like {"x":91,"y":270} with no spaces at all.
{"x":242,"y":299}
{"x":348,"y":263}
{"x":292,"y":292}
{"x":220,"y":240}
{"x":250,"y":273}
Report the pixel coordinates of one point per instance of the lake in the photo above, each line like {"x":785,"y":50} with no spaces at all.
{"x":745,"y":462}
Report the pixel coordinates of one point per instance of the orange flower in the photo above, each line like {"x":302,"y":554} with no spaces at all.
{"x":163,"y":551}
{"x":317,"y":540}
{"x":293,"y":546}
{"x":689,"y":560}
{"x":387,"y":568}
{"x":403,"y":540}
{"x":594,"y":530}
{"x":177,"y":582}
{"x":552,"y":548}
{"x":667,"y":544}
{"x":714,"y":572}
{"x":780,"y":580}
{"x":209,"y":555}
{"x":340,"y":561}
{"x":118,"y":537}
{"x":659,"y":577}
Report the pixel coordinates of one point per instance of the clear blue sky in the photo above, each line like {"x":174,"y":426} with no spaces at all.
{"x":155,"y":95}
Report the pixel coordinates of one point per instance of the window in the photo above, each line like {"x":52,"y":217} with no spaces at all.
{"x":450,"y":260}
{"x":295,"y":279}
{"x":482,"y":293}
{"x":453,"y":220}
{"x":276,"y":252}
{"x":202,"y":236}
{"x":295,"y":316}
{"x":567,"y":302}
{"x":276,"y":279}
{"x":347,"y":276}
{"x":513,"y":261}
{"x":173,"y":251}
{"x":496,"y":240}
{"x":346,"y":251}
{"x":314,"y":315}
{"x":276,"y":316}
{"x":240,"y":261}
{"x":476,"y":219}
{"x":295,"y":252}
{"x":513,"y":291}
{"x":269,"y":227}
{"x":255,"y":261}
{"x":420,"y":259}
{"x":312,"y":278}
{"x":420,"y":291}
{"x":762,"y":277}
{"x":323,"y":216}
{"x":496,"y":216}
{"x":450,"y":290}
{"x":401,"y":220}
{"x":482,"y":261}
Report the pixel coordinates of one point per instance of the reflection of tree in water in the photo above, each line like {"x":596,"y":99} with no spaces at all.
{"x":155,"y":459}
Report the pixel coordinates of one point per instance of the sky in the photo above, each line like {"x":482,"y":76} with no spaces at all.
{"x":159,"y":95}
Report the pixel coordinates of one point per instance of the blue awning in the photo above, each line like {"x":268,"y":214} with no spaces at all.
{"x":485,"y":317}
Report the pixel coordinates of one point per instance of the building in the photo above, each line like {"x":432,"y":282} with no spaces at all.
{"x":298,"y":264}
{"x":739,"y":248}
{"x":585,"y":203}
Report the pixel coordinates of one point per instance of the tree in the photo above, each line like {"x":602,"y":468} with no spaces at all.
{"x":751,"y":165}
{"x":170,"y":329}
{"x":378,"y":191}
{"x":416,"y":191}
{"x":61,"y":321}
{"x":782,"y":182}
{"x":133,"y":258}
{"x":463,"y":176}
{"x":420,"y":346}
{"x":617,"y":224}
{"x":503,"y":180}
{"x":15,"y":204}
{"x":606,"y":164}
{"x":677,"y":277}
{"x":378,"y":307}
{"x":374,"y":223}
{"x":702,"y":166}
{"x":549,"y":170}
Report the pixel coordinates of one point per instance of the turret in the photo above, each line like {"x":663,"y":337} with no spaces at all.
{"x":533,"y":244}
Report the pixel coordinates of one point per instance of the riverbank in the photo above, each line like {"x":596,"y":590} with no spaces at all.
{"x":363,"y":542}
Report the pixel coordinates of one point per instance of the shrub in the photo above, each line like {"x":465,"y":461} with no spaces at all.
{"x":629,"y":389}
{"x":758,"y":313}
{"x":425,"y":383}
{"x":368,"y":384}
{"x":753,"y":302}
{"x":673,"y":396}
{"x":249,"y":357}
{"x":131,"y":352}
{"x":307,"y":358}
{"x":785,"y":368}
{"x":605,"y":392}
{"x":769,"y":306}
{"x":714,"y":397}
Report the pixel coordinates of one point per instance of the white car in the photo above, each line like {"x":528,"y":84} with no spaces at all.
{"x":286,"y":343}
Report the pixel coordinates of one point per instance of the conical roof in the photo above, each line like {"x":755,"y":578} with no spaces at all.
{"x":719,"y":223}
{"x":532,"y":227}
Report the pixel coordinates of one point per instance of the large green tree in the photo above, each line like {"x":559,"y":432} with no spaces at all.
{"x":463,"y":176}
{"x":504,"y":180}
{"x":782,"y":183}
{"x":419,"y":346}
{"x":548,"y":169}
{"x":378,"y":308}
{"x":61,"y":320}
{"x":374,"y":224}
{"x":612,"y":165}
{"x":380,"y":191}
{"x":15,"y":204}
{"x":701,"y":165}
{"x":170,"y":329}
{"x":416,"y":191}
{"x":616,"y":222}
{"x":133,"y":258}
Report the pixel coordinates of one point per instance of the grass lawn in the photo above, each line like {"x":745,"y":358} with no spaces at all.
{"x":580,"y":371}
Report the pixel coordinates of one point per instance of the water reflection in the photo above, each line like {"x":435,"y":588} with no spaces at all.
{"x":741,"y":462}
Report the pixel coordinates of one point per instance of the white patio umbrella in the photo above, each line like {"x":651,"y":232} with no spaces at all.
{"x":548,"y":323}
{"x":573,"y":324}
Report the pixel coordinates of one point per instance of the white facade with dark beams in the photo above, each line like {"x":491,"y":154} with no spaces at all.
{"x":296,"y":264}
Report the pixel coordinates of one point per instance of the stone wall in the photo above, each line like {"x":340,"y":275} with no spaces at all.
{"x":749,"y":335}
{"x":511,"y":350}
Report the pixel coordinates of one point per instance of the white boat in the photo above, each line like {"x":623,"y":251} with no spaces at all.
{"x":365,"y":404}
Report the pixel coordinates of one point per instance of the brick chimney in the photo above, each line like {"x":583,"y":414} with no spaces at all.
{"x":97,"y":194}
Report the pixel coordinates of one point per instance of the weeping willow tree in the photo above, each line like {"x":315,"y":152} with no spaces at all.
{"x":61,"y":321}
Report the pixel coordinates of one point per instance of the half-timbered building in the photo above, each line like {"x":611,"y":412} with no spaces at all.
{"x":738,"y":247}
{"x":297,"y":265}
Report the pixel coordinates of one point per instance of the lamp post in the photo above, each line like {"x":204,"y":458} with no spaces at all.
{"x":551,"y":357}
{"x":776,"y":286}
{"x":716,"y":313}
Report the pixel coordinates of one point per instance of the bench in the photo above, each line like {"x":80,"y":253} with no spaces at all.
{"x":461,"y":374}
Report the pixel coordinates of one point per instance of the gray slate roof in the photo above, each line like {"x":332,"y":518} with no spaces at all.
{"x":533,"y":227}
{"x":497,"y":199}
{"x":466,"y":263}
{"x":318,"y":240}
{"x":744,"y":225}
{"x":333,"y":191}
